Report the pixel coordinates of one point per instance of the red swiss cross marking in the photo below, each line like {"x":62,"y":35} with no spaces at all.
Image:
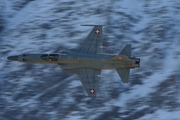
{"x":92,"y":91}
{"x":97,"y":31}
{"x":119,"y":57}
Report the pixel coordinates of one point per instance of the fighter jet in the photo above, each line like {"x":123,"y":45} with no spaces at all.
{"x":88,"y":60}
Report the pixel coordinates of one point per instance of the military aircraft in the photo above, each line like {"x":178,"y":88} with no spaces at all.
{"x":88,"y":60}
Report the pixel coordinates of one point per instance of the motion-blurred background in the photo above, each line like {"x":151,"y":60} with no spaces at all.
{"x":46,"y":92}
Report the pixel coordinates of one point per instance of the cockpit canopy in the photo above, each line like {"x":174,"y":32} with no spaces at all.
{"x":50,"y":57}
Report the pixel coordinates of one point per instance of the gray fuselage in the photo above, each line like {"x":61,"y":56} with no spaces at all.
{"x":75,"y":60}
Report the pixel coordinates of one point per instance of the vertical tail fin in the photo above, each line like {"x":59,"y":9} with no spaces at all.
{"x":126,"y":50}
{"x":124,"y":75}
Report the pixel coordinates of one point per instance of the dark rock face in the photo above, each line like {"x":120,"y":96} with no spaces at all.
{"x":2,"y":23}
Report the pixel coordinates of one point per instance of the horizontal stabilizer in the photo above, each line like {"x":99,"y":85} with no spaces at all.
{"x":126,"y":50}
{"x":124,"y":75}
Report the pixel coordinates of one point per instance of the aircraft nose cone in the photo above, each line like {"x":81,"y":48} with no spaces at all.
{"x":15,"y":58}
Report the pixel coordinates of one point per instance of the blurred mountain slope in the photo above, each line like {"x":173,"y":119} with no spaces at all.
{"x":47,"y":92}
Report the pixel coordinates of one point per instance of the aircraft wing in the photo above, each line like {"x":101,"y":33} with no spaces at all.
{"x":93,"y":42}
{"x":89,"y":79}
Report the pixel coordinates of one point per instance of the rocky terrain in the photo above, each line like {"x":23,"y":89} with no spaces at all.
{"x":46,"y":92}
